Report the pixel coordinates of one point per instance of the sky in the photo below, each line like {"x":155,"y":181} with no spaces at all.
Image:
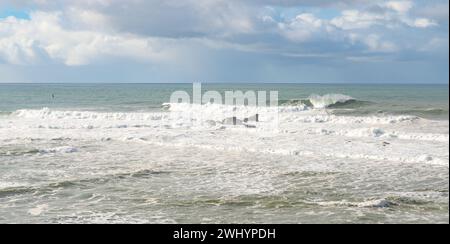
{"x":305,"y":41}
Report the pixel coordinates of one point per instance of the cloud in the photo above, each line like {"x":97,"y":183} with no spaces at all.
{"x":186,"y":35}
{"x":390,"y":14}
{"x":87,"y":31}
{"x":375,"y":43}
{"x":400,"y":6}
{"x":424,"y":23}
{"x":169,"y":18}
{"x":301,"y":28}
{"x":93,"y":3}
{"x":437,"y":11}
{"x":43,"y":35}
{"x":355,"y":19}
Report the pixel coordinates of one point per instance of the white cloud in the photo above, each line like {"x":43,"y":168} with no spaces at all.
{"x":28,"y":41}
{"x":301,"y":28}
{"x":375,"y":44}
{"x":84,"y":31}
{"x":436,"y":11}
{"x":393,"y":14}
{"x":400,"y":6}
{"x":424,"y":23}
{"x":355,"y":19}
{"x":87,"y":19}
{"x":16,"y":48}
{"x":174,"y":38}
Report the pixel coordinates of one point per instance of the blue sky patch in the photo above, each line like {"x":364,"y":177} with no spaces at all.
{"x":20,"y":14}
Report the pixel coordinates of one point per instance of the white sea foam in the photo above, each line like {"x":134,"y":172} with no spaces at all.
{"x":326,"y":118}
{"x":47,"y":113}
{"x":377,"y":203}
{"x":63,"y":149}
{"x":303,"y":132}
{"x":38,"y":210}
{"x":213,"y":112}
{"x":69,"y":165}
{"x":217,"y":112}
{"x":383,"y":134}
{"x":6,"y":185}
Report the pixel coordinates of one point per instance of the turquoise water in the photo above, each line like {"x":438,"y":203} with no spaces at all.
{"x":429,"y":101}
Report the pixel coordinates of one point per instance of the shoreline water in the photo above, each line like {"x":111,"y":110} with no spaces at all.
{"x":110,"y":155}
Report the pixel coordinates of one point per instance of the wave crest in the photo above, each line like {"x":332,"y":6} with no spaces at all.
{"x":329,"y":100}
{"x":315,"y":101}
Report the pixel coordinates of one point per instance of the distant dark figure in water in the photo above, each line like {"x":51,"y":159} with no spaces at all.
{"x":53,"y":96}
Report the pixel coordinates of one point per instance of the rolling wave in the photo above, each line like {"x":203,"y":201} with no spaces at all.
{"x":331,"y":101}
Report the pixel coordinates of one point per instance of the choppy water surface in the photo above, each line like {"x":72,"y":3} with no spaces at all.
{"x":110,"y":154}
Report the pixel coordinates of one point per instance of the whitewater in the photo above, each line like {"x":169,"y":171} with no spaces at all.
{"x":187,"y":163}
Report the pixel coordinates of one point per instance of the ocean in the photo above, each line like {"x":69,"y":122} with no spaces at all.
{"x":118,"y":153}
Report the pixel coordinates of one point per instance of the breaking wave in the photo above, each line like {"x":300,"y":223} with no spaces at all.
{"x":330,"y":100}
{"x":47,"y":113}
{"x":326,"y":101}
{"x":186,"y":113}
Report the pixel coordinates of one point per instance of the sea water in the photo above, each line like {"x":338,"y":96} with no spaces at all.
{"x":112,"y":153}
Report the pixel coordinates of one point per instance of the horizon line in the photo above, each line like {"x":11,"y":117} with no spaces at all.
{"x":233,"y":83}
